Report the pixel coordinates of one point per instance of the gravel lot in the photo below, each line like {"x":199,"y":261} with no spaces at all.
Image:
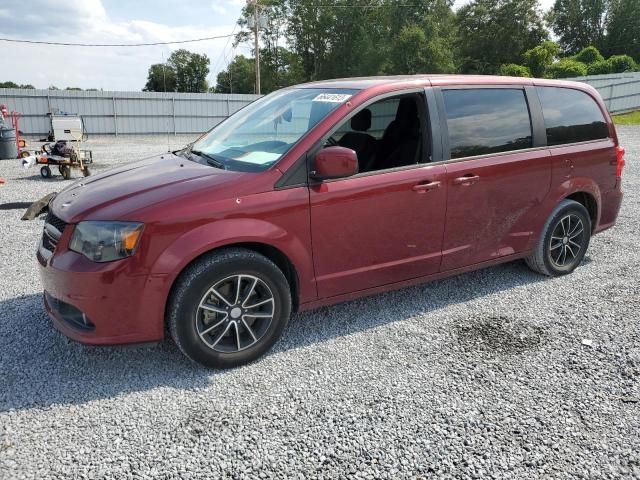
{"x":481,"y":375}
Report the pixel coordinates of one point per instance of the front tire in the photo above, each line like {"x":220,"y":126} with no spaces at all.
{"x":229,"y":308}
{"x":564,"y":240}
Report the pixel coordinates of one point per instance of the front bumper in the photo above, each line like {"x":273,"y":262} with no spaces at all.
{"x":101,"y":303}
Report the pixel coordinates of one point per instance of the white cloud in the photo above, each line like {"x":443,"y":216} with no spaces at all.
{"x":86,"y":21}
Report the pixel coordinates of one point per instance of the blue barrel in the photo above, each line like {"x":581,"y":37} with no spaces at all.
{"x":8,"y":147}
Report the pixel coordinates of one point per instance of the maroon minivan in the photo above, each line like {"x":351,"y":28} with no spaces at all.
{"x":326,"y":192}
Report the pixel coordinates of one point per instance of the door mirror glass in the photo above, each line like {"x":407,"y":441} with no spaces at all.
{"x":334,"y":162}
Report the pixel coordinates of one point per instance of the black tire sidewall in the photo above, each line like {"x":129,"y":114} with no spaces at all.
{"x":187,"y":299}
{"x":45,"y":172}
{"x":574,"y":208}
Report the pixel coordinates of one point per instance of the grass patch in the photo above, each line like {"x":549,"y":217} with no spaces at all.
{"x":631,"y":118}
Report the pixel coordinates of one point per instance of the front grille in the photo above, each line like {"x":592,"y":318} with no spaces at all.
{"x":53,"y":229}
{"x":56,"y":222}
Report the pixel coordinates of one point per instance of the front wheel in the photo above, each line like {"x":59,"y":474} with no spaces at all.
{"x":229,"y":308}
{"x":45,"y":172}
{"x":564,"y":240}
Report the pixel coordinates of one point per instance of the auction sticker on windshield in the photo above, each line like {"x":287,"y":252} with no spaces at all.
{"x":332,"y":97}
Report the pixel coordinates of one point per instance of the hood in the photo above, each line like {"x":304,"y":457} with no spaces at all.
{"x":135,"y":186}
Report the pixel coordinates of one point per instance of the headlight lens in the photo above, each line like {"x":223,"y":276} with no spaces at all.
{"x":106,"y":241}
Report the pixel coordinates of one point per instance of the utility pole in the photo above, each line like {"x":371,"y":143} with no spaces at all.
{"x":257,"y":45}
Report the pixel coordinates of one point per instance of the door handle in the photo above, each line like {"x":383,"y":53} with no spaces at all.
{"x":466,"y":179}
{"x":425,"y":187}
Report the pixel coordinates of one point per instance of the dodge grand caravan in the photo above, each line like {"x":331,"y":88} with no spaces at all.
{"x":326,"y":192}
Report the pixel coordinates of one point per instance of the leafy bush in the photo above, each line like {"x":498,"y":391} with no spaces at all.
{"x":622,"y":63}
{"x":540,"y":57}
{"x":589,"y":55}
{"x":600,"y":67}
{"x":566,"y":68}
{"x":513,"y":70}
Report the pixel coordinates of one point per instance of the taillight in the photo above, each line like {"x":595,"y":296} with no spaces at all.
{"x":619,"y":161}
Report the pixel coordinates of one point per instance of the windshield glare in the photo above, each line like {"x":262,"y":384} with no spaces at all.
{"x":257,"y":136}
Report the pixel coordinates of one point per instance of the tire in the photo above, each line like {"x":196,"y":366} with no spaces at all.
{"x":66,"y":172}
{"x":86,"y":172}
{"x":209,"y":327}
{"x":564,"y":240}
{"x":24,"y":154}
{"x":45,"y":172}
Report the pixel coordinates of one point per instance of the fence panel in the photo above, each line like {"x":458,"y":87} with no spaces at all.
{"x":620,"y":91}
{"x":124,"y":112}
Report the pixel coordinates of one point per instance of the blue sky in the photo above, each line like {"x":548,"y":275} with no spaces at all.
{"x":112,"y":21}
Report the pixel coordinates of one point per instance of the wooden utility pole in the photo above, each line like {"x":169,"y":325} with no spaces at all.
{"x":257,"y":45}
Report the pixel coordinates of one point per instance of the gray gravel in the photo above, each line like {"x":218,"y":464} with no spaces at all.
{"x":481,"y":375}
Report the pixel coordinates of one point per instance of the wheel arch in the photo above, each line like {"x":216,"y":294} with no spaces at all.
{"x":588,"y":201}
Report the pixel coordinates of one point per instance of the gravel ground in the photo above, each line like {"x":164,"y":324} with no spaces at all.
{"x":482,"y":375}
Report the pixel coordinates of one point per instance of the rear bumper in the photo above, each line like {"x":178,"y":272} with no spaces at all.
{"x":610,"y":207}
{"x":101,"y":304}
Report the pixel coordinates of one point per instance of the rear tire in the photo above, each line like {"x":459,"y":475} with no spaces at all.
{"x":66,"y":172}
{"x":564,"y":240}
{"x":228,"y":308}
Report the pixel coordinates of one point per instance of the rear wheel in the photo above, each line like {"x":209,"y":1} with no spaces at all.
{"x":564,"y":240}
{"x":65,"y":170}
{"x":229,"y":308}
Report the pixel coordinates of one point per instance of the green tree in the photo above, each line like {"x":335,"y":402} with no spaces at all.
{"x":589,"y":55}
{"x":239,"y":77}
{"x":413,"y":52}
{"x":622,"y":63}
{"x":514,"y":70}
{"x":161,"y":78}
{"x":599,"y":68}
{"x":15,"y":85}
{"x":579,"y":23}
{"x":538,"y":59}
{"x":566,"y":68}
{"x":191,"y":70}
{"x":497,"y":32}
{"x":623,"y":28}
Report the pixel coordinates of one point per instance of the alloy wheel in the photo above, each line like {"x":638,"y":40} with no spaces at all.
{"x":567,"y":241}
{"x":235,"y":313}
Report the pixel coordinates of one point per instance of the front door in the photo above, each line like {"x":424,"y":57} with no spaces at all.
{"x":385,"y":224}
{"x":377,"y":229}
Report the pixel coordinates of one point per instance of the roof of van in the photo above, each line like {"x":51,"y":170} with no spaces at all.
{"x":435,"y":80}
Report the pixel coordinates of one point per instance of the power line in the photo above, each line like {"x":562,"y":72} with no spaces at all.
{"x":66,"y":44}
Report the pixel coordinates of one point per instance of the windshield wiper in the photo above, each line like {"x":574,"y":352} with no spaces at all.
{"x":211,"y":160}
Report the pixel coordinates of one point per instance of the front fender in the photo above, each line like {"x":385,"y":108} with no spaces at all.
{"x":232,"y":231}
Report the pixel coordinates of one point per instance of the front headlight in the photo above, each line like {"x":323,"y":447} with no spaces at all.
{"x":106,"y":241}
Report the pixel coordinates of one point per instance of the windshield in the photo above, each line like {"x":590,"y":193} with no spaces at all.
{"x":257,"y":136}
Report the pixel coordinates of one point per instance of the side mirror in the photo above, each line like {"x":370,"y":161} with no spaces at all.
{"x":334,"y":162}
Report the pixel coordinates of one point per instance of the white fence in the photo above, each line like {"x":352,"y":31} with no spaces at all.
{"x":124,"y":112}
{"x":620,"y":91}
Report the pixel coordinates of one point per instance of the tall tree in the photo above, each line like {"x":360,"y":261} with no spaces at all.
{"x":161,"y":78}
{"x":496,"y":32}
{"x":623,"y":28}
{"x":579,"y":23}
{"x":191,"y":70}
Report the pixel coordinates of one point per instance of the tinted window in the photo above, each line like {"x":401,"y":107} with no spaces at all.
{"x":482,"y":121}
{"x":571,"y":116}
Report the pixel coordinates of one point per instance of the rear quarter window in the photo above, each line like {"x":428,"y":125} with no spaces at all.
{"x":485,"y":120}
{"x":571,"y":116}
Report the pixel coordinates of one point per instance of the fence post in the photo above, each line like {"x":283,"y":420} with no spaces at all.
{"x":173,"y":109}
{"x":115,"y":116}
{"x":611,"y":87}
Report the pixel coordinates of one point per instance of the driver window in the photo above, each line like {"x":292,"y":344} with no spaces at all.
{"x":386,"y":134}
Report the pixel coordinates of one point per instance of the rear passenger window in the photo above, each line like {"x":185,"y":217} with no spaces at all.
{"x":485,"y":120}
{"x":571,"y":116}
